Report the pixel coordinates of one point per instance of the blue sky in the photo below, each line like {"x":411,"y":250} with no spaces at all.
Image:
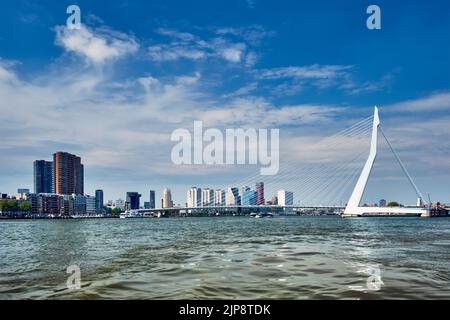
{"x":114,"y":91}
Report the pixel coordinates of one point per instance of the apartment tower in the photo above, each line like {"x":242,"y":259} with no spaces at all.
{"x":68,"y":174}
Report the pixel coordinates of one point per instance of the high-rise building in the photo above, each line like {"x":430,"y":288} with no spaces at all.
{"x":167,"y":199}
{"x":68,"y":174}
{"x":219,"y":198}
{"x":188,"y":198}
{"x":249,"y":198}
{"x":152,"y":204}
{"x":133,"y":200}
{"x":260,"y":192}
{"x":382,"y":203}
{"x":232,"y":197}
{"x":194,"y":196}
{"x":99,"y":201}
{"x":243,"y":189}
{"x":207,"y":197}
{"x":43,"y":176}
{"x":285,"y":198}
{"x":91,"y":205}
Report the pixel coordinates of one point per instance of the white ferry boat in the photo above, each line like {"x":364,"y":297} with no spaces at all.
{"x":261,"y":215}
{"x":132,"y":215}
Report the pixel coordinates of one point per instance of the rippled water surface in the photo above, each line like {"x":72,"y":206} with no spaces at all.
{"x":236,"y":257}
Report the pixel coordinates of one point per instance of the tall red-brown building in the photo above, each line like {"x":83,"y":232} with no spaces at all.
{"x":260,"y":193}
{"x":68,"y":174}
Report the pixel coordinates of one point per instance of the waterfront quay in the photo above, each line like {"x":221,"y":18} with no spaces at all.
{"x":195,"y":212}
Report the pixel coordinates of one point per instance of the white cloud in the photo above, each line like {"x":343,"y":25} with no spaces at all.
{"x":291,"y":80}
{"x":307,"y":72}
{"x":85,"y":110}
{"x":185,"y":45}
{"x":252,"y":34}
{"x":243,"y":91}
{"x":173,"y":52}
{"x":233,"y":54}
{"x":6,"y":75}
{"x":184,"y":36}
{"x":97,"y":46}
{"x":286,"y":89}
{"x":352,"y":87}
{"x":433,"y":102}
{"x":149,"y":83}
{"x":188,"y":80}
{"x":260,"y":113}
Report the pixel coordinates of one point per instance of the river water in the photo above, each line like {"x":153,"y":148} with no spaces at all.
{"x":227,"y":258}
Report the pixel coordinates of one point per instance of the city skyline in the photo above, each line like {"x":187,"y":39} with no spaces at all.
{"x":205,"y":196}
{"x":66,"y":172}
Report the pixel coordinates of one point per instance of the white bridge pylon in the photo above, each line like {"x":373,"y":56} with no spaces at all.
{"x":353,"y":208}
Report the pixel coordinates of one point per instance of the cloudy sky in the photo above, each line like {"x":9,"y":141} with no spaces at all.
{"x":113,"y":91}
